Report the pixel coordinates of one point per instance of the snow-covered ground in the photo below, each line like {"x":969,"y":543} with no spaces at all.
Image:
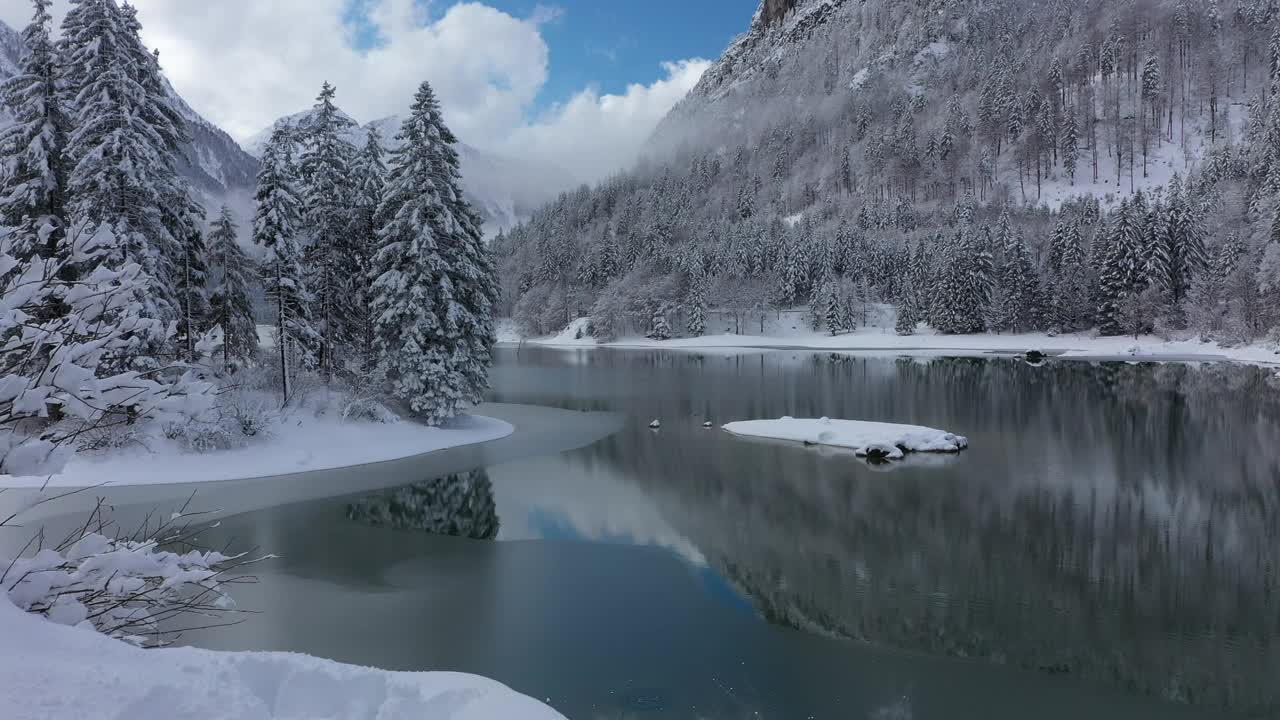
{"x":292,"y":444}
{"x":50,"y":671}
{"x":884,"y":440}
{"x":790,"y":332}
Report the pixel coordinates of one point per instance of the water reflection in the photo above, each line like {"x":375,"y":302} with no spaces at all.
{"x":1111,"y":522}
{"x":456,"y":505}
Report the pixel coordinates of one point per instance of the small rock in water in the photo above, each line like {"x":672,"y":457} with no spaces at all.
{"x":708,"y":424}
{"x":655,"y":424}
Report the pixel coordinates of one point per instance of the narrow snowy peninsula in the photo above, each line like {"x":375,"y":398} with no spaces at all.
{"x":867,"y":439}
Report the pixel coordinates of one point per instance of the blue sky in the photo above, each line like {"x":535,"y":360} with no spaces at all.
{"x":612,"y":43}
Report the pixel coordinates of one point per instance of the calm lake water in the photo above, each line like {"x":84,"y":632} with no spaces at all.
{"x":1108,"y":548}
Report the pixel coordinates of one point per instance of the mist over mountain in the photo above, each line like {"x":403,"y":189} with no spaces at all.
{"x":982,"y":165}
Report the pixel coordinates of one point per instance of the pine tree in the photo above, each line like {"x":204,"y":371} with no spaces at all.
{"x":660,"y":329}
{"x":122,"y":152}
{"x":1070,"y":143}
{"x":1021,"y":285}
{"x":696,"y":302}
{"x":846,"y":170}
{"x":276,"y":227}
{"x":333,"y":253}
{"x":369,"y":176}
{"x":435,"y":289}
{"x":833,"y":305}
{"x":192,"y":278}
{"x":231,"y":301}
{"x":31,"y":149}
{"x":1122,"y":269}
{"x":963,"y":291}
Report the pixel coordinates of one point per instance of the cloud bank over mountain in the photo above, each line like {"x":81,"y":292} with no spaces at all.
{"x":245,"y":63}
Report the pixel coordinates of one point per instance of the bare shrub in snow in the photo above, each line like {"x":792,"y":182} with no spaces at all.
{"x":109,"y":436}
{"x":144,"y":588}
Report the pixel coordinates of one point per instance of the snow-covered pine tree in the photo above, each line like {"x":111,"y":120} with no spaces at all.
{"x":833,"y":304}
{"x":1069,"y":277}
{"x":963,"y":291}
{"x":1122,"y":269}
{"x":231,"y":299}
{"x":276,"y":227}
{"x":908,"y":316}
{"x":1021,"y":286}
{"x":332,"y":252}
{"x":33,"y":204}
{"x":435,"y":288}
{"x":369,"y":176}
{"x":695,"y":304}
{"x":191,"y":276}
{"x":1070,"y":137}
{"x":660,"y":328}
{"x":123,"y":148}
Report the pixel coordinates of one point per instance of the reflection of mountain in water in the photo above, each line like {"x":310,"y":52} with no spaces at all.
{"x":1134,"y":553}
{"x":457,"y":505}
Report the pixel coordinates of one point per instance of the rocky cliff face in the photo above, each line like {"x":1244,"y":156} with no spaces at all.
{"x":773,"y":11}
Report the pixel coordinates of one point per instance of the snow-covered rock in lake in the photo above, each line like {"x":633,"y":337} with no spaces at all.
{"x":655,"y":425}
{"x":867,"y":439}
{"x":54,"y":671}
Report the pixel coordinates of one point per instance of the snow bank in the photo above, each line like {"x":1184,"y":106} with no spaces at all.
{"x":54,"y":672}
{"x":791,"y":333}
{"x":885,"y":440}
{"x":294,"y":443}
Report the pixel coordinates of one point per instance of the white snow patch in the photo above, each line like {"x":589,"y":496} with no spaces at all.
{"x":266,"y":337}
{"x":887,"y":440}
{"x":296,"y":443}
{"x":793,"y":220}
{"x":54,"y":671}
{"x":789,"y":331}
{"x":860,"y":79}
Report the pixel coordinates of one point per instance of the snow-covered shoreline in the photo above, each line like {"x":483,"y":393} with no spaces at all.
{"x":885,"y":441}
{"x":54,"y":671}
{"x":873,"y":341}
{"x":296,"y":444}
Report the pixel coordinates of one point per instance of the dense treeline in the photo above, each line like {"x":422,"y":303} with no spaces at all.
{"x":1006,"y":166}
{"x":113,"y":288}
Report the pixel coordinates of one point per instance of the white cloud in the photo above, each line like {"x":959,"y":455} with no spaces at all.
{"x":243,"y":63}
{"x":593,"y":135}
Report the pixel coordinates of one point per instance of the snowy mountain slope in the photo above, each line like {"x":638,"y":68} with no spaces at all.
{"x":504,"y":191}
{"x":212,"y":162}
{"x":838,"y":148}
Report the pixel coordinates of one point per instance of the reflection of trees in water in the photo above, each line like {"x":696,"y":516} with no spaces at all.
{"x":457,"y":505}
{"x":1139,"y":548}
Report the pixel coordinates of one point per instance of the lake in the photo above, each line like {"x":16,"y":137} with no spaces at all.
{"x":1107,"y":547}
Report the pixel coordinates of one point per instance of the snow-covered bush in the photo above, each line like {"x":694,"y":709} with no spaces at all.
{"x":142,"y":591}
{"x":365,"y":409}
{"x":67,"y":351}
{"x":201,"y":437}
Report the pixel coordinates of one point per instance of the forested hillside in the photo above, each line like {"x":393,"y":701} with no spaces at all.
{"x":985,"y":165}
